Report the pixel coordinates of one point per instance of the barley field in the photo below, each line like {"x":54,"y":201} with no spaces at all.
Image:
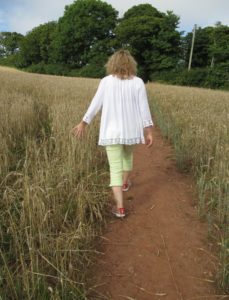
{"x":54,"y":188}
{"x":196,"y":121}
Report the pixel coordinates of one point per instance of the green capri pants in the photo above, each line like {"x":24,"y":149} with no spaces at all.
{"x":120,"y":158}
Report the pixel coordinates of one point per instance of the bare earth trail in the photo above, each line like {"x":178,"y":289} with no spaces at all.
{"x":161,"y":250}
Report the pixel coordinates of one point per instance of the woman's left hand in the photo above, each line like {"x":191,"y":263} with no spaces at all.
{"x":80,"y":129}
{"x":148,"y":132}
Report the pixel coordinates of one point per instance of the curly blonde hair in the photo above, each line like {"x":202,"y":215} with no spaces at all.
{"x":122,"y":64}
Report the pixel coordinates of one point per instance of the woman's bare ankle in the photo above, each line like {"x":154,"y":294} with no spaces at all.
{"x":118,"y":196}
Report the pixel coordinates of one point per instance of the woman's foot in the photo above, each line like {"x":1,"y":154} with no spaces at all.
{"x":119,"y":212}
{"x":126,"y":186}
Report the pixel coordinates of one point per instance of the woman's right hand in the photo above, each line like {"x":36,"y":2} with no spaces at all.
{"x":79,"y":130}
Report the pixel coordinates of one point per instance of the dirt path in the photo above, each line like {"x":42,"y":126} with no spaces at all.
{"x":161,"y":250}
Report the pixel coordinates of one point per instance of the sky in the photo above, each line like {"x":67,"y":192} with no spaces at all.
{"x":23,"y":15}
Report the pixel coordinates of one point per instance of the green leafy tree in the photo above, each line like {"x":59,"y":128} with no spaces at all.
{"x":201,"y":56}
{"x":219,"y":48}
{"x":10,"y":43}
{"x":85,"y":26}
{"x":211,"y":46}
{"x":36,"y":46}
{"x":151,"y":37}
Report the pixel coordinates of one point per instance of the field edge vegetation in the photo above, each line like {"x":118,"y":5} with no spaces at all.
{"x":196,"y":123}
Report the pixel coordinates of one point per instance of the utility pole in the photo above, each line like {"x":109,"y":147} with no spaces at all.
{"x":213,"y":56}
{"x":191,"y":52}
{"x":212,"y":61}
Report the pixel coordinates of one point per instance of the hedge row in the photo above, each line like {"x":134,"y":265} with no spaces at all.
{"x":215,"y":78}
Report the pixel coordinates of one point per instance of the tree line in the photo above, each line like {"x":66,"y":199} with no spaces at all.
{"x":79,"y":43}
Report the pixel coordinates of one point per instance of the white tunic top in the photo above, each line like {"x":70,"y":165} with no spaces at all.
{"x":125,"y":110}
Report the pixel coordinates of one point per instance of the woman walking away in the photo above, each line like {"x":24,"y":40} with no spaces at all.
{"x":125,"y":120}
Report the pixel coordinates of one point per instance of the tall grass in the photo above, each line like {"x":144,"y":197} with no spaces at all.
{"x":51,"y":190}
{"x":197,"y":123}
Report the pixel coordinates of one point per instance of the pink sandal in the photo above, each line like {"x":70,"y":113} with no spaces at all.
{"x":119,"y":212}
{"x":126,"y":186}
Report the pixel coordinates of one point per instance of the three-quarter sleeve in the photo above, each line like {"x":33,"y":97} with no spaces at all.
{"x":96,"y":104}
{"x":144,"y":106}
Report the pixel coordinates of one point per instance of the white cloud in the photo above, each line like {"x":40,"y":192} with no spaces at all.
{"x":24,"y":15}
{"x":200,"y":12}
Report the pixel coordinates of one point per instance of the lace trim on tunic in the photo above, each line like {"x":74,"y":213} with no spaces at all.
{"x":106,"y":142}
{"x":147,"y":123}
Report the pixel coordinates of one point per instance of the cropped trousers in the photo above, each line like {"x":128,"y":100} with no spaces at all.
{"x":120,"y":158}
